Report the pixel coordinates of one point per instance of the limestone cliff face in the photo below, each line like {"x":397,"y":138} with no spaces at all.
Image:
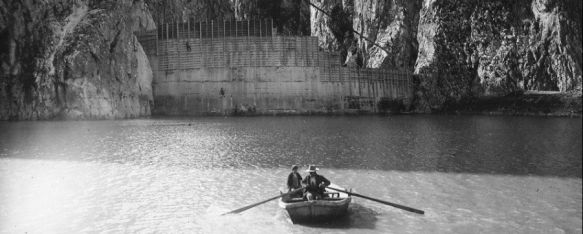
{"x":73,"y":59}
{"x":392,"y":25}
{"x":319,"y":24}
{"x":497,"y":47}
{"x":290,"y":17}
{"x":389,"y":24}
{"x":466,"y":48}
{"x":79,"y":58}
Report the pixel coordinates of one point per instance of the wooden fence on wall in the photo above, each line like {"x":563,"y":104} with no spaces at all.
{"x":194,"y":45}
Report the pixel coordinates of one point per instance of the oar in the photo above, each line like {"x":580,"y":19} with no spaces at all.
{"x":381,"y":201}
{"x":259,"y":203}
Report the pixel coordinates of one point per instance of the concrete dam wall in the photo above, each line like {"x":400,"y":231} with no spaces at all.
{"x":212,"y":68}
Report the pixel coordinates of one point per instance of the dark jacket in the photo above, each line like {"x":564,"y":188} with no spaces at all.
{"x":290,"y":181}
{"x":315,"y":187}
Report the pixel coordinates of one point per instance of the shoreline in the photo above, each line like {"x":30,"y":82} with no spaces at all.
{"x":544,"y":104}
{"x":562,"y":105}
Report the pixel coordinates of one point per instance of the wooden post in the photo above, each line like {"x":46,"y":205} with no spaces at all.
{"x":166,"y":62}
{"x":157,"y":35}
{"x":224,"y":54}
{"x":409,"y":85}
{"x":400,"y":83}
{"x":385,"y":90}
{"x":260,"y":28}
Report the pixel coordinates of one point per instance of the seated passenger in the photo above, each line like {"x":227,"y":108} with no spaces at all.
{"x":294,"y":182}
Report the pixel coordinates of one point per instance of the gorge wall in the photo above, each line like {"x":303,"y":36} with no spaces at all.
{"x":497,"y":48}
{"x":80,"y":59}
{"x":471,"y":48}
{"x":73,"y":59}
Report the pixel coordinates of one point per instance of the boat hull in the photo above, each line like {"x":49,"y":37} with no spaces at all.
{"x":316,"y":210}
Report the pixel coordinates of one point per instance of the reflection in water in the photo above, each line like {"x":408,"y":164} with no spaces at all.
{"x":500,"y":145}
{"x":490,"y":174}
{"x":358,"y":217}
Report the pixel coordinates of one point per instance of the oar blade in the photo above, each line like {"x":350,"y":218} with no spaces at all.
{"x":250,"y":206}
{"x":259,"y":203}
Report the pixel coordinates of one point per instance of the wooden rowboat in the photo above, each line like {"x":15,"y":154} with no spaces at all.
{"x":333,"y":205}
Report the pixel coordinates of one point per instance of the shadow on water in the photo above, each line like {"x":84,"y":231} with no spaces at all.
{"x":450,"y":144}
{"x":357,"y":217}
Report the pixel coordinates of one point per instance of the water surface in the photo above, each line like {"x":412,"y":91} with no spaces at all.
{"x":469,"y":173}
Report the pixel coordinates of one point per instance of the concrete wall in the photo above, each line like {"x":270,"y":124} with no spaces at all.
{"x":263,"y":75}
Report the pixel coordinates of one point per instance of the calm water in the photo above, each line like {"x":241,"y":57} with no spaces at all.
{"x":468,"y":173}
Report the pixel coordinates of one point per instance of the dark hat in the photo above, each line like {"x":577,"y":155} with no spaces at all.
{"x":312,"y":168}
{"x":294,"y":167}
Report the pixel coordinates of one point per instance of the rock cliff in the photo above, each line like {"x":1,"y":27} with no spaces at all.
{"x":73,"y":59}
{"x":79,"y":58}
{"x":465,"y":48}
{"x":485,"y":48}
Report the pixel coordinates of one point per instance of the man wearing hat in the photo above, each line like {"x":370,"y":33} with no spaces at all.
{"x":315,"y":184}
{"x":294,"y":179}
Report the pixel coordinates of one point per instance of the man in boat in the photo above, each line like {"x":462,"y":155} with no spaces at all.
{"x":315,"y":184}
{"x":294,"y":181}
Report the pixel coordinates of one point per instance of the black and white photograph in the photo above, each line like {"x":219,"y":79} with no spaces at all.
{"x":291,"y":116}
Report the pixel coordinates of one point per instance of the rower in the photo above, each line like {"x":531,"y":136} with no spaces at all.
{"x":315,"y":184}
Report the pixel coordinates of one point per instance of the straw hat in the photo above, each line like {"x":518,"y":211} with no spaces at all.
{"x":312,"y":168}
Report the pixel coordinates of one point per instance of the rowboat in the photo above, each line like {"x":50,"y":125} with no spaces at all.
{"x":333,"y":205}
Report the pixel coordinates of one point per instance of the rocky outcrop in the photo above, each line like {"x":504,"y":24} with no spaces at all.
{"x":290,"y":17}
{"x":388,"y":30}
{"x":463,"y":49}
{"x":80,"y":59}
{"x":164,"y":11}
{"x":391,"y":25}
{"x":319,"y":22}
{"x":74,"y":60}
{"x":476,"y":48}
